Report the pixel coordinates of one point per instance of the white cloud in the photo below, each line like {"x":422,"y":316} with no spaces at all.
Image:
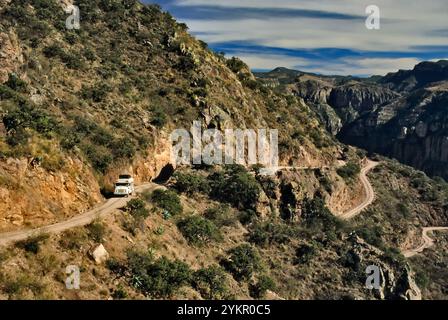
{"x":405,"y":24}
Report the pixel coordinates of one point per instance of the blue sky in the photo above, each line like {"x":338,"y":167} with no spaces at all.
{"x":322,"y":36}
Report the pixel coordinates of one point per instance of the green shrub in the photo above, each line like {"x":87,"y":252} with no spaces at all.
{"x":258,"y":290}
{"x":247,"y":216}
{"x":72,"y":239}
{"x":316,"y":215}
{"x":159,"y":118}
{"x":236,"y":64}
{"x":15,"y":83}
{"x":120,"y":293}
{"x":372,"y":235}
{"x":32,"y":244}
{"x":97,"y":231}
{"x":137,"y":208}
{"x":221,"y":215}
{"x":157,"y":278}
{"x":243,"y":261}
{"x":122,"y":148}
{"x":167,"y":200}
{"x":271,"y":233}
{"x":350,"y":171}
{"x":99,"y":157}
{"x":235,"y":186}
{"x":27,"y":116}
{"x":305,"y":253}
{"x":198,"y":231}
{"x":97,"y":93}
{"x":191,"y":183}
{"x":211,"y":283}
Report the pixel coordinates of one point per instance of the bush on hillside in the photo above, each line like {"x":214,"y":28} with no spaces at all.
{"x":243,"y":261}
{"x":211,"y":283}
{"x":159,"y":278}
{"x":198,"y":231}
{"x":350,"y":171}
{"x":259,"y":289}
{"x":191,"y":183}
{"x":167,"y":200}
{"x":235,"y":186}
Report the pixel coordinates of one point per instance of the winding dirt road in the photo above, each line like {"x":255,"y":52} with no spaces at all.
{"x":81,"y":220}
{"x":427,"y":241}
{"x":370,"y":193}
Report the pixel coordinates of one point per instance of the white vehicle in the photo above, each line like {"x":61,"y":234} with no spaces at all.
{"x":124,"y":186}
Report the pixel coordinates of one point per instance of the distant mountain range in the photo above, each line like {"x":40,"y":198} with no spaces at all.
{"x":403,"y":115}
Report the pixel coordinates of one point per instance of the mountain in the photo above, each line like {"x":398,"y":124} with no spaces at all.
{"x":80,"y":107}
{"x":400,"y":115}
{"x":422,"y":75}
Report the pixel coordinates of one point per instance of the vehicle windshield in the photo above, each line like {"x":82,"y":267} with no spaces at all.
{"x":125,"y":176}
{"x":122,"y":184}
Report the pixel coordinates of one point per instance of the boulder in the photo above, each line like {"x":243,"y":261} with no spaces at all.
{"x":99,"y":254}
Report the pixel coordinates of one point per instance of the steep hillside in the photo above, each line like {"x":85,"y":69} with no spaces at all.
{"x":79,"y":107}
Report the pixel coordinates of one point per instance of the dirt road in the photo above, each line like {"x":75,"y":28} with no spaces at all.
{"x":116,"y":203}
{"x":370,"y":193}
{"x":81,"y":220}
{"x":427,"y":241}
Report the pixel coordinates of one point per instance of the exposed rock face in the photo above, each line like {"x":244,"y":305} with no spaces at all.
{"x":396,"y":282}
{"x":423,"y":74}
{"x":413,"y":130}
{"x":54,"y":195}
{"x":340,"y":104}
{"x":402,"y":115}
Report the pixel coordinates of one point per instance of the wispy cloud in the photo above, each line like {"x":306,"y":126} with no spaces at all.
{"x":325,"y":34}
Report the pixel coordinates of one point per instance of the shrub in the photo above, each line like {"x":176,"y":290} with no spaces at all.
{"x":97,"y":93}
{"x":305,"y":253}
{"x":122,"y":148}
{"x":317,"y":216}
{"x":27,"y":116}
{"x":258,"y":290}
{"x":247,"y":216}
{"x":191,"y":183}
{"x":159,"y":118}
{"x":350,"y":171}
{"x":167,"y":200}
{"x":72,"y":239}
{"x":97,"y":231}
{"x":157,"y":278}
{"x":242,"y":262}
{"x":32,"y":244}
{"x":137,"y":209}
{"x":211,"y":283}
{"x":15,"y":83}
{"x":270,"y":233}
{"x":235,"y":64}
{"x":236,"y":186}
{"x":221,"y":215}
{"x":99,"y":157}
{"x":119,"y":293}
{"x":198,"y":230}
{"x":372,"y":235}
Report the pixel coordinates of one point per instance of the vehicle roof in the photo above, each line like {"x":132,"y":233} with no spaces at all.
{"x":122,"y":181}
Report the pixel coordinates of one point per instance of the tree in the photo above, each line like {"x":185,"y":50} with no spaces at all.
{"x":242,"y":262}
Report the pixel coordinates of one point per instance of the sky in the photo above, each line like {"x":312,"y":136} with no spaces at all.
{"x":320,"y":36}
